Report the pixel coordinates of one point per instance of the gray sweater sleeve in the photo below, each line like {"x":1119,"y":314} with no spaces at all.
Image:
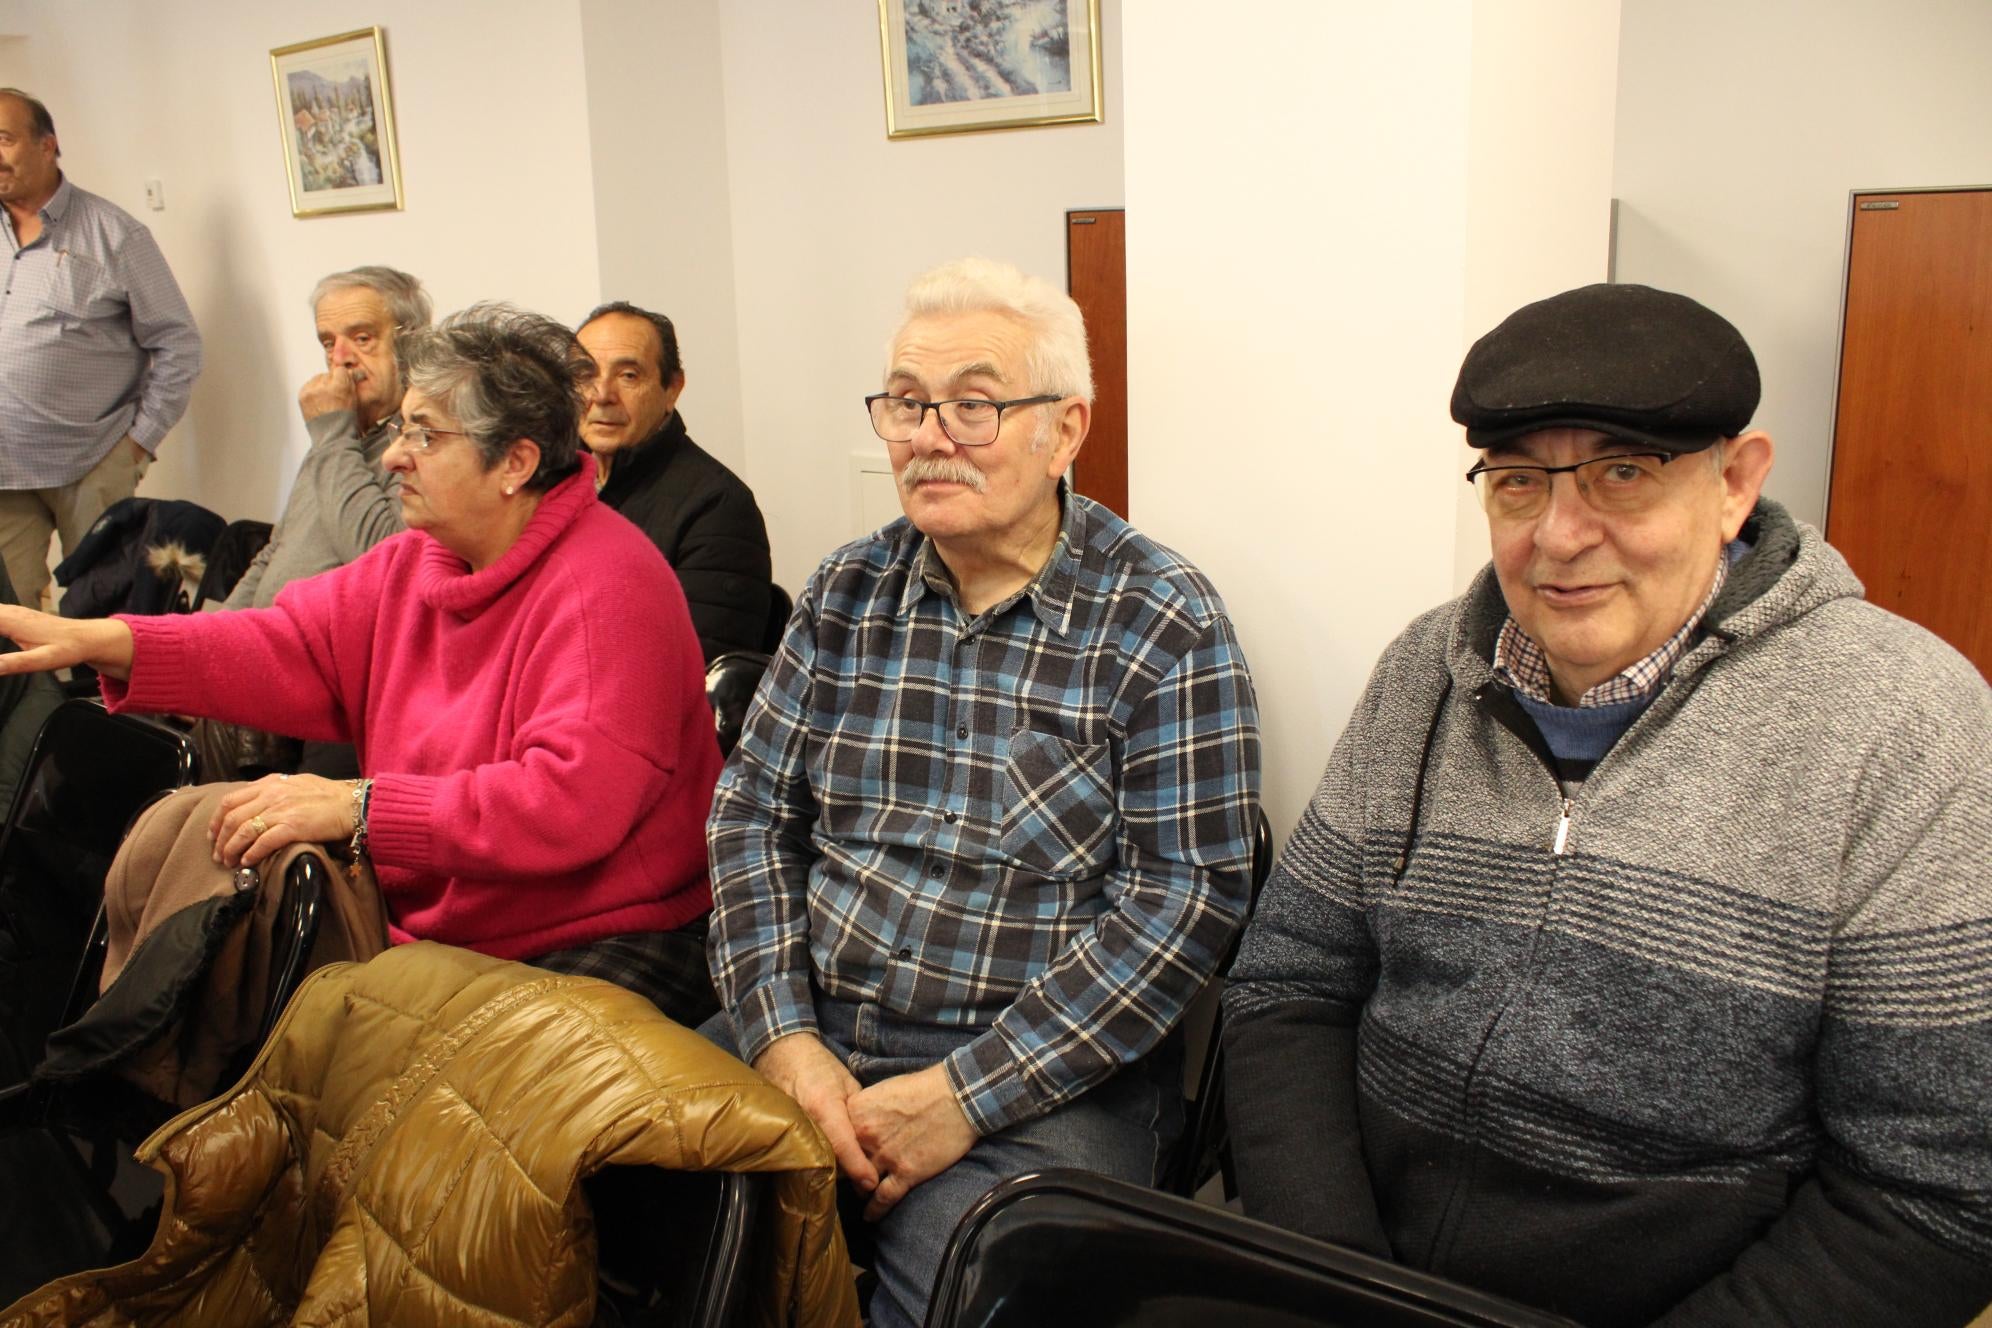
{"x":1894,"y":1227}
{"x":358,"y":503}
{"x":1295,"y":996}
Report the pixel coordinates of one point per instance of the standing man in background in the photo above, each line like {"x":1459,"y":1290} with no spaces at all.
{"x":98,"y":351}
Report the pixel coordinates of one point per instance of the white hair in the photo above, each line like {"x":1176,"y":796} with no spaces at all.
{"x":1056,"y":361}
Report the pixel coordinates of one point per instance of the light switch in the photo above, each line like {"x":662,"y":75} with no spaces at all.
{"x":155,"y":195}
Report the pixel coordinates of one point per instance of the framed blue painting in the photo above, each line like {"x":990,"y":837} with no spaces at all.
{"x":954,"y":66}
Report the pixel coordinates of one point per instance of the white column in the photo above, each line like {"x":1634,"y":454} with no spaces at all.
{"x":1323,"y":212}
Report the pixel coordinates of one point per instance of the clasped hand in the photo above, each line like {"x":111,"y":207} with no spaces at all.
{"x":277,"y":811}
{"x":887,"y":1138}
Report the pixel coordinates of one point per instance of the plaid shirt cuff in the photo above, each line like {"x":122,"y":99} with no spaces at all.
{"x":990,"y":1086}
{"x":773,"y":1010}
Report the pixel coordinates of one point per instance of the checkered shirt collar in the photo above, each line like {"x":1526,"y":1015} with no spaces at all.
{"x":1050,"y":591}
{"x":1521,"y":663}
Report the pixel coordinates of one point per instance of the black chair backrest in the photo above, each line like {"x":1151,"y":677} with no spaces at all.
{"x":1072,"y":1247}
{"x":780,"y":606}
{"x":1206,"y":1147}
{"x":305,"y":888}
{"x":672,"y":1246}
{"x":230,"y":557}
{"x":731,"y":680}
{"x":88,"y":776}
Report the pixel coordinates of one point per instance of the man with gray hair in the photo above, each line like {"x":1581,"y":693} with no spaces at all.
{"x":98,"y":351}
{"x":342,"y":502}
{"x":988,"y":826}
{"x":1634,"y":957}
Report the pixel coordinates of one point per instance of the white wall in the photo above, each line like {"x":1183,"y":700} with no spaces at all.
{"x":830,"y":222}
{"x":723,"y":162}
{"x":492,"y":119}
{"x":1539,"y":178}
{"x":1303,"y":277}
{"x":1741,"y":129}
{"x":663,"y":215}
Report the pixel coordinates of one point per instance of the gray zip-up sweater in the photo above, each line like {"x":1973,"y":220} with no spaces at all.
{"x":1705,"y":1039}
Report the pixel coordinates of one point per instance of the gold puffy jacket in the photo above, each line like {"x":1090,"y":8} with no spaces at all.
{"x":408,"y":1148}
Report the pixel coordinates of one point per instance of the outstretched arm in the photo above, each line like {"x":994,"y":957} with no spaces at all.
{"x":49,"y":642}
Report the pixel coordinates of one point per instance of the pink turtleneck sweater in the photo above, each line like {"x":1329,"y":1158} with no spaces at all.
{"x":542,"y":753}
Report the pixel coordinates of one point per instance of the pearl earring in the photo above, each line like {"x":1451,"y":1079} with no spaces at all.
{"x":509,"y":491}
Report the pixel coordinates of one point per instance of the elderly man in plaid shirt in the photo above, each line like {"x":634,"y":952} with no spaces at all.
{"x":987,"y":830}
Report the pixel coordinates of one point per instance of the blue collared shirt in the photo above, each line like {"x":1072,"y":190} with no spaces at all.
{"x":1034,"y":821}
{"x":96,"y":342}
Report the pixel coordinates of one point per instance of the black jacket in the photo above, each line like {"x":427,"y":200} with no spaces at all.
{"x":143,"y":555}
{"x":705,"y":521}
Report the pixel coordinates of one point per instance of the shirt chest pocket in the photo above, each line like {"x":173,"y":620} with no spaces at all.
{"x":1060,"y":816}
{"x":78,"y":290}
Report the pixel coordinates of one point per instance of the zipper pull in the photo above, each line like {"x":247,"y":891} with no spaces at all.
{"x":1562,"y":831}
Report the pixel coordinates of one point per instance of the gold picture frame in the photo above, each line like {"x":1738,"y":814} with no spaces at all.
{"x":954,"y":69}
{"x":335,"y":114}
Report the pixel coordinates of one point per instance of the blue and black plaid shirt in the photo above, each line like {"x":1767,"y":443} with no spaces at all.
{"x":1035,"y":822}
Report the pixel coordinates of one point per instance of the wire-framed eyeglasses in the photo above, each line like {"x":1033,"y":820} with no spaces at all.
{"x":1621,"y":483}
{"x":969,"y":421}
{"x":421,"y":437}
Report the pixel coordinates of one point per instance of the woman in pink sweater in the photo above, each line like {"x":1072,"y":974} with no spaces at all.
{"x":518,"y":672}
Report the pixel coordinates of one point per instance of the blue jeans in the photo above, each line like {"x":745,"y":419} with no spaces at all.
{"x":1125,"y":1128}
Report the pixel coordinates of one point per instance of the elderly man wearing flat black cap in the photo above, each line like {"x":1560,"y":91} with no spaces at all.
{"x":1634,"y":958}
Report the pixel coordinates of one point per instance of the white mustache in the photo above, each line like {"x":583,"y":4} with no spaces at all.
{"x":942,"y":470}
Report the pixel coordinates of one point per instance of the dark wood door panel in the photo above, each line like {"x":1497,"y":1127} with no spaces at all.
{"x":1910,"y":503}
{"x":1096,"y":276}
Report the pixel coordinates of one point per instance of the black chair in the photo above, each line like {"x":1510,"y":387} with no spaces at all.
{"x":731,"y":680}
{"x":780,"y":605}
{"x":672,"y":1246}
{"x":89,"y":774}
{"x":1072,"y":1247}
{"x":1205,"y":1150}
{"x":230,"y":557}
{"x":72,"y":1141}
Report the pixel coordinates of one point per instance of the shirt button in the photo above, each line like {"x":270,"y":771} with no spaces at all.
{"x":937,"y":871}
{"x":905,"y":952}
{"x":949,"y":817}
{"x":962,"y":732}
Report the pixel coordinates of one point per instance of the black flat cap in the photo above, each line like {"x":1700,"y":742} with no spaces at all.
{"x":1630,"y":361}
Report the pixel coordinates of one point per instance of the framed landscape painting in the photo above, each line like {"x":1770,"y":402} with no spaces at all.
{"x":952,"y":66}
{"x":337,"y":121}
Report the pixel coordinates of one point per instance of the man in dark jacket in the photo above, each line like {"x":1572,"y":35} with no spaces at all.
{"x":697,"y":512}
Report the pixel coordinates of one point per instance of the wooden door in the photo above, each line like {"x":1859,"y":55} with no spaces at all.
{"x":1911,"y":498}
{"x":1096,"y":276}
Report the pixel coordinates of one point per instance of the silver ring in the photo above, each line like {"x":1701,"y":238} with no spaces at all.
{"x":259,"y":826}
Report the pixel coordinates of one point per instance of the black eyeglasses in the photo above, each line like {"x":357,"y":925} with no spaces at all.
{"x":1628,"y":482}
{"x":970,"y":422}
